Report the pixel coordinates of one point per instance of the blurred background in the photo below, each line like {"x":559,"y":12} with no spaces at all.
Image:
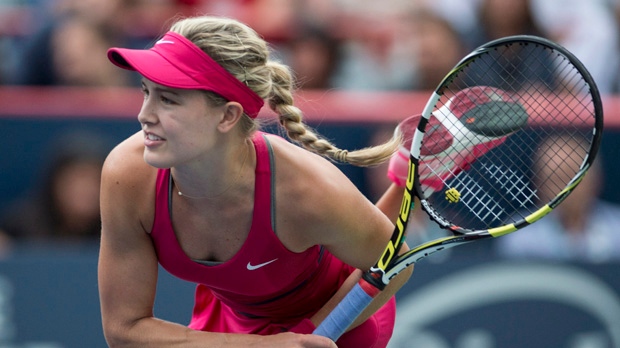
{"x":361,"y":67}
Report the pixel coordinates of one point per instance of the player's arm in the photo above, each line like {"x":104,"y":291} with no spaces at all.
{"x":329,"y":210}
{"x":361,"y":234}
{"x":390,"y":201}
{"x":127,"y":262}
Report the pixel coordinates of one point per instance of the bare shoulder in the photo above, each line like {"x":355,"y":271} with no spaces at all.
{"x":316,"y":203}
{"x":302,"y":174}
{"x":127,"y":183}
{"x":125,"y":165}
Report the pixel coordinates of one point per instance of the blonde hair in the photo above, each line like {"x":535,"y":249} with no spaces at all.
{"x":243,"y":53}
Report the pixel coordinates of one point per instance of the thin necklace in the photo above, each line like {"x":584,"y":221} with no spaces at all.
{"x":181,"y":194}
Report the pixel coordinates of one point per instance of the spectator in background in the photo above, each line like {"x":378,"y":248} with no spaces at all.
{"x":78,"y":54}
{"x":500,"y":18}
{"x":582,"y":228}
{"x":69,"y":48}
{"x":313,"y":56}
{"x":436,"y":47}
{"x":274,"y":20}
{"x":586,"y":28}
{"x":84,"y":24}
{"x":65,"y":207}
{"x":15,"y":23}
{"x":373,"y":57}
{"x":461,"y":15}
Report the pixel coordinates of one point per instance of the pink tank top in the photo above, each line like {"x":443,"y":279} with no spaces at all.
{"x":264,"y":279}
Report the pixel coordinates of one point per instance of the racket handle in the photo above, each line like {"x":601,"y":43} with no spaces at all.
{"x":351,"y":306}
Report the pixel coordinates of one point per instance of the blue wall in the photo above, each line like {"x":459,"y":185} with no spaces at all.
{"x":49,"y":298}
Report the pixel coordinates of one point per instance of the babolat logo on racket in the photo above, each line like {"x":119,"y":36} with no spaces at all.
{"x":401,"y":222}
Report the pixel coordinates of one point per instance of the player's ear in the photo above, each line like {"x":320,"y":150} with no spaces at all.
{"x":232,"y":114}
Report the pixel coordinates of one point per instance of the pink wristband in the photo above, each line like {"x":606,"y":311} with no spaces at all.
{"x":398,"y":169}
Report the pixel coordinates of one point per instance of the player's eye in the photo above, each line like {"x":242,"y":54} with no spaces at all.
{"x":145,"y":91}
{"x":167,"y":101}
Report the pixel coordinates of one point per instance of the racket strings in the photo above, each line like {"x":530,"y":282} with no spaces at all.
{"x":494,"y":179}
{"x":479,"y":201}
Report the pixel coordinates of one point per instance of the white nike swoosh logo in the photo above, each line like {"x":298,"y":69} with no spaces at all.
{"x":255,"y":267}
{"x":164,"y":42}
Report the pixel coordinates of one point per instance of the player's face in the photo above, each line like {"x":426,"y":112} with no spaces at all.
{"x":179,"y":125}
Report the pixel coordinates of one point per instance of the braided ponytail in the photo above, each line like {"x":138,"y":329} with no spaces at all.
{"x":281,"y":101}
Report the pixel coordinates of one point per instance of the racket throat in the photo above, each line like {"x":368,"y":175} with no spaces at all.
{"x":375,"y":277}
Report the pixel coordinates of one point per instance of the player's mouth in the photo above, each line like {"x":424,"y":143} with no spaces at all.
{"x":151,"y":139}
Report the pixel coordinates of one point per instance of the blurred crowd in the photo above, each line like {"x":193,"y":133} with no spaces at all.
{"x":329,"y":44}
{"x":362,"y":44}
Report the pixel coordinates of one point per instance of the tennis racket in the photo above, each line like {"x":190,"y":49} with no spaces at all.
{"x":474,"y":161}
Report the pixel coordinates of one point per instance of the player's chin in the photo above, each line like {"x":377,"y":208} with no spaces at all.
{"x":156,"y":159}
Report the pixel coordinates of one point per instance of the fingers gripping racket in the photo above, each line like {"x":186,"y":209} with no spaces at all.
{"x":475,"y":158}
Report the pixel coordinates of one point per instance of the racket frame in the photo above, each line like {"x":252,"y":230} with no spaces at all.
{"x":390,"y":264}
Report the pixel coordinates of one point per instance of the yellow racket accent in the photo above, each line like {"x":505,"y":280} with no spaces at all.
{"x":535,"y":216}
{"x":428,"y":244}
{"x":500,"y":231}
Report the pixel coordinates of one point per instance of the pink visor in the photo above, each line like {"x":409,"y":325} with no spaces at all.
{"x":176,"y":62}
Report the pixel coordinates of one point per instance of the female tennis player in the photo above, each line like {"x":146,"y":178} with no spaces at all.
{"x":273,"y":234}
